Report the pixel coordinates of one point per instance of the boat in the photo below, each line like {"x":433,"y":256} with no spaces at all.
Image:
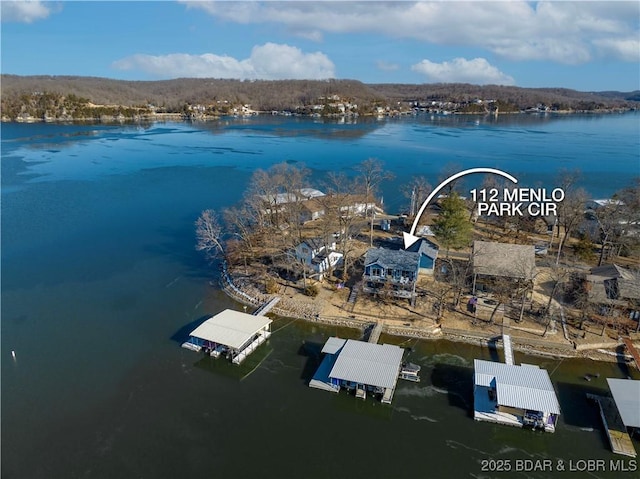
{"x":409,"y":372}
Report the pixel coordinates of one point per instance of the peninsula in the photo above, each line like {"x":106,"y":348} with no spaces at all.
{"x":336,"y":257}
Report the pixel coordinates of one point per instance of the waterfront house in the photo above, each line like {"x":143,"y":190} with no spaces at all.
{"x":311,"y":210}
{"x":393,"y":271}
{"x":428,"y":252}
{"x":359,"y":367}
{"x":613,"y":287}
{"x":317,"y":255}
{"x":493,"y":260}
{"x":230,"y":333}
{"x":515,"y":395}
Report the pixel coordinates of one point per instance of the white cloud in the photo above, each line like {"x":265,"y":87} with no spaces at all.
{"x":23,"y":11}
{"x":626,"y":49}
{"x":459,"y":70}
{"x":563,"y":32}
{"x":267,"y":62}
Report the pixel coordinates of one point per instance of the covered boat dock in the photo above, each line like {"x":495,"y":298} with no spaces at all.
{"x":230,"y":333}
{"x":359,"y":366}
{"x":621,"y":414}
{"x":514,"y":395}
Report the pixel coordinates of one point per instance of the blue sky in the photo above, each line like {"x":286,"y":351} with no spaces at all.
{"x":587,"y":46}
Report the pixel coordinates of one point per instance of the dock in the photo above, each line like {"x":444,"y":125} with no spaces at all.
{"x":632,"y":350}
{"x":358,"y":366}
{"x":266,"y":307}
{"x":231,"y":333}
{"x":616,"y":430}
{"x":508,"y":349}
{"x":375,"y":333}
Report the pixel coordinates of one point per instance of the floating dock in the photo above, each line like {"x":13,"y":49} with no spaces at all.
{"x":359,"y":367}
{"x":616,"y":430}
{"x":232,"y":333}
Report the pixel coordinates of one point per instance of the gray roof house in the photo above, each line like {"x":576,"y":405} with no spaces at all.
{"x":428,"y":254}
{"x":503,"y":260}
{"x":398,"y":268}
{"x":613,"y":285}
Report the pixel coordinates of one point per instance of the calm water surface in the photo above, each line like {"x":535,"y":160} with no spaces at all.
{"x":100,"y":283}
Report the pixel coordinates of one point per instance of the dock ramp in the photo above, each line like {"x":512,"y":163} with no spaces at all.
{"x":375,"y":333}
{"x":508,"y":349}
{"x":266,"y":307}
{"x":632,"y":350}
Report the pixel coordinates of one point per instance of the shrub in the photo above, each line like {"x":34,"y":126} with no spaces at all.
{"x":312,"y":291}
{"x":271,"y":286}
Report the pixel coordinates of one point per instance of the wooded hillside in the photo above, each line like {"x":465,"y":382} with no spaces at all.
{"x":173,"y":95}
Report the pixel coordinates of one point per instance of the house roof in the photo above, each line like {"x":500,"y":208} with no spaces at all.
{"x":231,"y":328}
{"x":392,"y":259}
{"x":504,"y":259}
{"x":311,"y":192}
{"x":611,"y":282}
{"x":368,"y":363}
{"x":333,"y":345}
{"x":525,"y":386}
{"x":316,"y":244}
{"x":426,"y":247}
{"x":611,"y":270}
{"x":312,"y":205}
{"x":626,"y":394}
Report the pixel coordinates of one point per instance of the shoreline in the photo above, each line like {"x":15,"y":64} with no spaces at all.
{"x":598,"y":352}
{"x":176,"y":116}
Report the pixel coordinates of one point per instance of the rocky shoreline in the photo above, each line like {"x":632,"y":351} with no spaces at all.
{"x":248,"y":295}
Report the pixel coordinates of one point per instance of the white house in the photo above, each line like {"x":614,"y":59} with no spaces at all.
{"x":318,"y":255}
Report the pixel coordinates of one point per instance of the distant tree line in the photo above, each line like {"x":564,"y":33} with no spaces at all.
{"x":38,"y":93}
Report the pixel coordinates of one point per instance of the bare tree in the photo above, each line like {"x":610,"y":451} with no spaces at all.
{"x":340,"y":214}
{"x":571,"y":209}
{"x":372,"y":175}
{"x":417,"y":191}
{"x":208,"y":234}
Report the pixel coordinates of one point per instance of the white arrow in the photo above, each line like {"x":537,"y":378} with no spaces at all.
{"x":410,"y":238}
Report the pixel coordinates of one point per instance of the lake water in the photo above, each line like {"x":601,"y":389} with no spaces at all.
{"x":100,"y":282}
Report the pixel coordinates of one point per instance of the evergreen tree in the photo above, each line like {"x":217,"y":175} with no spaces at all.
{"x":452,"y":227}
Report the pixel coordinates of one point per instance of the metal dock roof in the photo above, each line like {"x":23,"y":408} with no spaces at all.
{"x":231,"y":328}
{"x":526,"y":387}
{"x":333,"y":345}
{"x":626,"y":394}
{"x":368,"y":363}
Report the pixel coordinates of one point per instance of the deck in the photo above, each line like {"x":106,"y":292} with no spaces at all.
{"x":616,"y":430}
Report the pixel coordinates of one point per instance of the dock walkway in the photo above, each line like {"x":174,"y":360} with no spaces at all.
{"x":266,"y":307}
{"x":616,"y":430}
{"x":375,"y":333}
{"x":508,"y":349}
{"x":632,"y":350}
